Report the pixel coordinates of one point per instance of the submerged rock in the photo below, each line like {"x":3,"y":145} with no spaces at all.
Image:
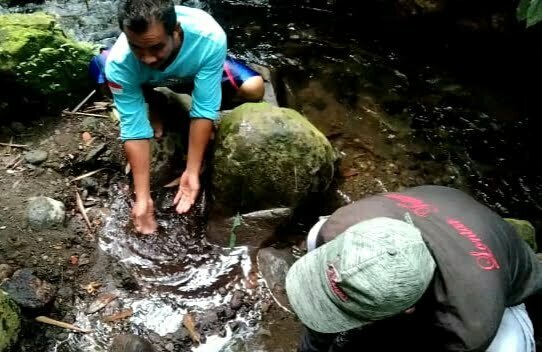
{"x":273,"y":265}
{"x":36,"y":156}
{"x":267,"y":157}
{"x":130,"y":343}
{"x":10,"y":323}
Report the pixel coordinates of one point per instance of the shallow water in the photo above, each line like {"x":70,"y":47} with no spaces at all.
{"x":178,"y":272}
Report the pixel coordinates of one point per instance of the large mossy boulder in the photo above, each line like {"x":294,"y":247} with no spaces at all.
{"x":268,"y":157}
{"x":10,"y":323}
{"x":38,"y":61}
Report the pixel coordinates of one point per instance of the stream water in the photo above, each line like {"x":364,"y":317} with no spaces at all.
{"x":390,"y":103}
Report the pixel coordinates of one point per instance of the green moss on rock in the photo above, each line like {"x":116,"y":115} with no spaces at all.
{"x":36,"y":54}
{"x":525,"y":230}
{"x":10,"y":323}
{"x":266,"y":156}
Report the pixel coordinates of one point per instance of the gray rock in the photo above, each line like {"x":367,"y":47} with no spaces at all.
{"x":273,"y":265}
{"x":130,"y":343}
{"x":89,"y":183}
{"x":28,"y":291}
{"x":89,"y":124}
{"x":94,"y":153}
{"x":44,"y":213}
{"x":36,"y":156}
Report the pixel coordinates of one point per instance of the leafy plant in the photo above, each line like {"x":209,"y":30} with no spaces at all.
{"x":235,"y":225}
{"x":529,"y":11}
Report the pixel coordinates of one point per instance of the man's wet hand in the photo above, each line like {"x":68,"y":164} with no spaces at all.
{"x":143,"y":217}
{"x":188,"y":191}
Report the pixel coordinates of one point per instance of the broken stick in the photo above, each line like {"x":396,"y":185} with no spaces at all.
{"x":12,"y":145}
{"x":62,"y":324}
{"x":83,"y":101}
{"x":82,"y":210}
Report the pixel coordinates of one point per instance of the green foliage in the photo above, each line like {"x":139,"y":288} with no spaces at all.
{"x":529,"y":11}
{"x":53,"y":71}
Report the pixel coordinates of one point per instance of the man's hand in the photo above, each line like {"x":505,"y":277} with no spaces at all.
{"x":188,"y":191}
{"x":143,"y":217}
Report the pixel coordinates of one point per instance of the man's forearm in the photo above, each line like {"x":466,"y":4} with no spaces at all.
{"x":200,"y":133}
{"x":138,"y":153}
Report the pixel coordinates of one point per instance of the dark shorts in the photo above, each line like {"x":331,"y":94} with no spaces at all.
{"x":235,"y":73}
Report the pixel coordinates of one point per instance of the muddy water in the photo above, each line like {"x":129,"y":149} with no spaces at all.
{"x":178,"y":273}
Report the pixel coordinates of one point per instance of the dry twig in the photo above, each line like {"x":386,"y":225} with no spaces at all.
{"x":62,"y":324}
{"x":82,"y":210}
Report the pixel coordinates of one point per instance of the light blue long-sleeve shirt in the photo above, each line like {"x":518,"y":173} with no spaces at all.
{"x":200,"y":59}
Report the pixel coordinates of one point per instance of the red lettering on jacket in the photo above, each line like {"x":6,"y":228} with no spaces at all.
{"x":484,"y":256}
{"x":415,"y":205}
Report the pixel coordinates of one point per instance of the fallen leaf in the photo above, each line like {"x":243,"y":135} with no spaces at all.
{"x":101,"y":302}
{"x":173,"y":183}
{"x":123,"y":314}
{"x":349,"y":172}
{"x":188,"y":323}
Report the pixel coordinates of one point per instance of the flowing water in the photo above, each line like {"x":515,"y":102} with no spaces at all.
{"x":177,"y":273}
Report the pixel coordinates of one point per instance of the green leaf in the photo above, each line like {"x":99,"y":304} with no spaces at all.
{"x":234,"y":226}
{"x":534,"y":13}
{"x":521,"y":12}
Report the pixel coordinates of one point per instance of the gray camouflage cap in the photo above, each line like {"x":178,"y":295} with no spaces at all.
{"x":374,"y":270}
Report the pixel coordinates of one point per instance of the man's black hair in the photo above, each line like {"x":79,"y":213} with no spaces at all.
{"x":137,"y":15}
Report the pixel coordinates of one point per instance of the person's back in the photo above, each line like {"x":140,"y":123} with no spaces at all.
{"x":483,"y":266}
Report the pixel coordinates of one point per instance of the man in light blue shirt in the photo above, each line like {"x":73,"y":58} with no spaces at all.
{"x":163,"y":44}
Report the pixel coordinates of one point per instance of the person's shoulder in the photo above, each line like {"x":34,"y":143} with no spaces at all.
{"x":200,"y":23}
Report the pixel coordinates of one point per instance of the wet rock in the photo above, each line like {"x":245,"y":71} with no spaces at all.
{"x":525,"y":230}
{"x":208,"y":320}
{"x":166,"y":152}
{"x":44,"y":213}
{"x":123,"y":278}
{"x":10,"y":322}
{"x":130,"y":343}
{"x":273,"y":265}
{"x":36,"y":156}
{"x":28,"y":291}
{"x":237,"y":299}
{"x":268,"y":157}
{"x":95,"y":152}
{"x":5,"y":272}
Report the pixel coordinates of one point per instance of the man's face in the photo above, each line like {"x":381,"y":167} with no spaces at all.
{"x":154,"y":46}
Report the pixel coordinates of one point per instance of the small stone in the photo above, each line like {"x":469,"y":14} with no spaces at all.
{"x":5,"y":272}
{"x":169,"y":347}
{"x":89,"y":183}
{"x":237,"y":299}
{"x":36,"y":156}
{"x":222,"y":291}
{"x":130,"y":343}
